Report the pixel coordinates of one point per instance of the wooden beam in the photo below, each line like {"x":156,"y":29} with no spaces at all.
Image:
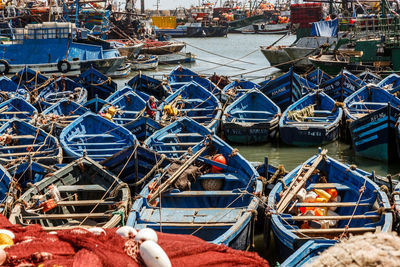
{"x":340,"y":217}
{"x":335,"y":230}
{"x":67,"y":216}
{"x":86,"y":202}
{"x":331,"y":204}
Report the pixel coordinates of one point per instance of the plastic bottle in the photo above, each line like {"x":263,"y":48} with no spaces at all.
{"x":323,"y":194}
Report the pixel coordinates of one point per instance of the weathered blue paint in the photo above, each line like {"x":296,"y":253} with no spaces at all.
{"x":16,"y":108}
{"x":96,"y":83}
{"x":318,"y":76}
{"x":342,"y":85}
{"x":149,"y":85}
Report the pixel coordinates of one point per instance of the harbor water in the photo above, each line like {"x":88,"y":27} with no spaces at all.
{"x":239,"y":55}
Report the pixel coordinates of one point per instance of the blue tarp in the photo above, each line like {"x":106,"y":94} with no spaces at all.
{"x":325,"y":28}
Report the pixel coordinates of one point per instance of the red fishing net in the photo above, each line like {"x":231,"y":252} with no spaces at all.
{"x":78,"y":247}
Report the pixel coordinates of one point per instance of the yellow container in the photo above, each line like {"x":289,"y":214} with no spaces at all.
{"x":164,"y":22}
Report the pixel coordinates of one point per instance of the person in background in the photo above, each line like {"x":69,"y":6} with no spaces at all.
{"x":151,"y":107}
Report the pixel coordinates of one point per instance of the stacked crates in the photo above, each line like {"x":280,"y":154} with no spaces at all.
{"x":305,"y":14}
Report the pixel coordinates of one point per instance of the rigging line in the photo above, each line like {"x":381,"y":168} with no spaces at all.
{"x":215,"y":54}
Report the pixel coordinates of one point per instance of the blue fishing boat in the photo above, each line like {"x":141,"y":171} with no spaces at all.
{"x":126,"y":108}
{"x":398,"y":136}
{"x":312,"y":120}
{"x":318,"y":76}
{"x":372,"y":113}
{"x":16,"y":108}
{"x":217,"y":206}
{"x":5,"y":180}
{"x":252,"y":118}
{"x":143,"y":127}
{"x":29,"y":78}
{"x":342,"y":85}
{"x":181,"y":76}
{"x":95,"y":104}
{"x":29,"y":172}
{"x":177,"y":138}
{"x":20,"y":140}
{"x":61,"y":88}
{"x":284,"y":90}
{"x":50,"y":48}
{"x":56,"y":117}
{"x":238,"y":87}
{"x":391,"y":83}
{"x":193,"y":101}
{"x":148,"y":85}
{"x":94,"y":136}
{"x":10,"y":89}
{"x":96,"y":83}
{"x":136,"y":166}
{"x":355,"y":204}
{"x":307,"y":253}
{"x":370,"y":77}
{"x":123,"y":91}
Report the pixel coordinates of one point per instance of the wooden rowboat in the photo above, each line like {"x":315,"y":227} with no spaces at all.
{"x":96,"y":83}
{"x":16,"y":108}
{"x":148,"y":85}
{"x":81,"y":194}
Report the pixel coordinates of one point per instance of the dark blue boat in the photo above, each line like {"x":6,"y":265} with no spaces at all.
{"x":369,"y":77}
{"x":373,"y":113}
{"x":148,"y":85}
{"x":128,"y":107}
{"x":252,"y":118}
{"x":123,"y":91}
{"x":312,"y":120}
{"x":59,"y":115}
{"x":21,"y":140}
{"x":10,"y":89}
{"x":181,"y":76}
{"x":135,"y":165}
{"x":391,"y":83}
{"x":5,"y":179}
{"x":94,"y":136}
{"x":61,"y":88}
{"x":143,"y":127}
{"x":96,"y":83}
{"x":219,"y":206}
{"x":29,"y":78}
{"x":342,"y":85}
{"x":16,"y":108}
{"x":284,"y":90}
{"x":238,"y":87}
{"x":193,"y":101}
{"x":398,"y":136}
{"x":177,"y":138}
{"x":357,"y":206}
{"x":307,"y":253}
{"x":318,"y":76}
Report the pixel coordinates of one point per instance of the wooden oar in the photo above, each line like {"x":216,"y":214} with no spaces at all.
{"x":291,"y":192}
{"x":176,"y":175}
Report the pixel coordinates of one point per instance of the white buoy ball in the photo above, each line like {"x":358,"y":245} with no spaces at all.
{"x":153,"y":255}
{"x":7,"y":232}
{"x":146,"y":234}
{"x":126,"y":231}
{"x":52,"y":233}
{"x":97,"y":230}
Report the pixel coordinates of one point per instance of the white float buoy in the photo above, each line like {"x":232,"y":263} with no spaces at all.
{"x":97,"y":230}
{"x":146,"y":234}
{"x":126,"y":231}
{"x":153,"y":255}
{"x":7,"y":232}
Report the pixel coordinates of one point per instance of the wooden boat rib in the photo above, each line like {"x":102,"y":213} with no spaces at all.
{"x":363,"y":217}
{"x":94,"y":136}
{"x":87,"y":196}
{"x":312,"y":120}
{"x":16,"y":108}
{"x":21,"y":140}
{"x":373,"y":113}
{"x":237,"y":88}
{"x":252,"y":118}
{"x":220,"y":214}
{"x":194,"y":101}
{"x":177,"y":138}
{"x":369,"y":77}
{"x":317,"y":76}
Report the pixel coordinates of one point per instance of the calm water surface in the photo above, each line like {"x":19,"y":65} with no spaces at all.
{"x":253,"y":65}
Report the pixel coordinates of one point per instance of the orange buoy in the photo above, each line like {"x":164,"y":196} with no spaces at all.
{"x":220,"y":159}
{"x":48,"y":205}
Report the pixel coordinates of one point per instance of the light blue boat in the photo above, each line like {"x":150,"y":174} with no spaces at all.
{"x":94,"y":136}
{"x":307,"y":253}
{"x":252,"y":118}
{"x":11,"y":89}
{"x":219,"y":207}
{"x":16,"y":108}
{"x":238,"y":87}
{"x":196,"y":102}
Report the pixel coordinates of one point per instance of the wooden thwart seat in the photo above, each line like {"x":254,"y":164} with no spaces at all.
{"x":67,"y":216}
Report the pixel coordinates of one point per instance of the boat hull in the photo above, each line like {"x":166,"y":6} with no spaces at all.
{"x":250,"y":133}
{"x":373,"y":136}
{"x":164,"y":49}
{"x":215,"y":31}
{"x":306,"y":135}
{"x":277,"y":57}
{"x":300,"y":52}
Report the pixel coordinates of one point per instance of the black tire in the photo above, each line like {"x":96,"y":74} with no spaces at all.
{"x":63,"y":66}
{"x":4,"y":67}
{"x":262,"y":26}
